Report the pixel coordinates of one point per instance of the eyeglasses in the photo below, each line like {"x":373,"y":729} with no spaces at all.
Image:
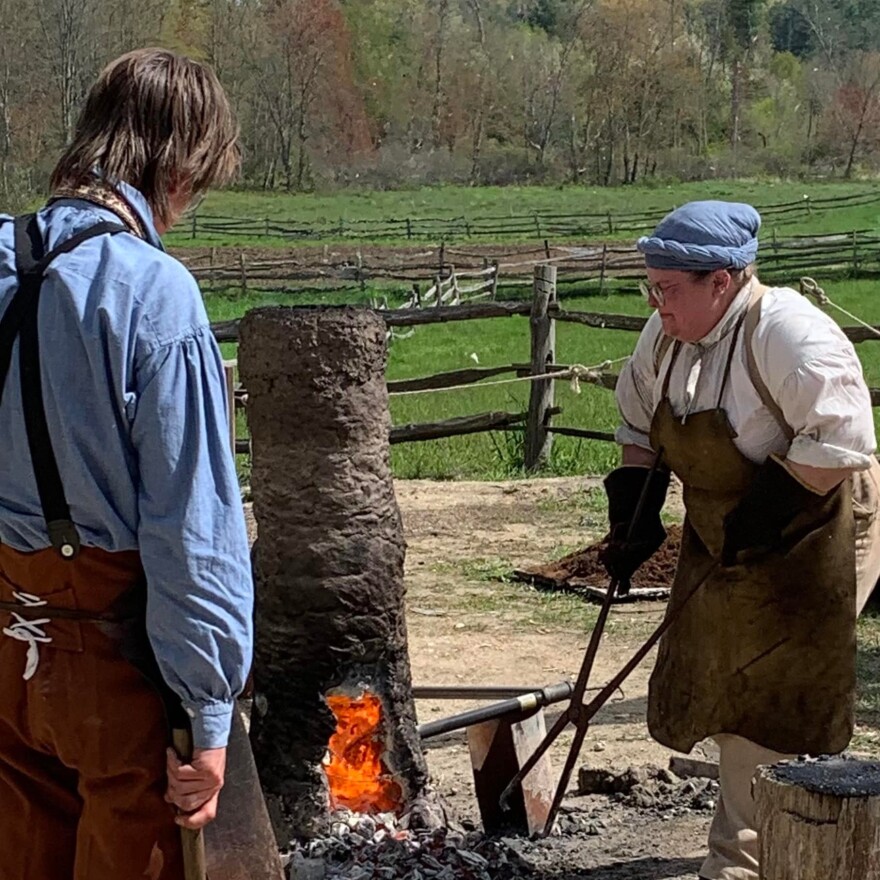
{"x":653,"y":294}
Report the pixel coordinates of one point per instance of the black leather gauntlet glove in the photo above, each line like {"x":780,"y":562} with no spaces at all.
{"x":756,"y":524}
{"x":623,"y":486}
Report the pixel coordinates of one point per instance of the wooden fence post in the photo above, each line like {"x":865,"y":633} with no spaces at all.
{"x":602,"y":268}
{"x":243,"y":268}
{"x":211,"y":274}
{"x":538,"y":441}
{"x":229,"y":376}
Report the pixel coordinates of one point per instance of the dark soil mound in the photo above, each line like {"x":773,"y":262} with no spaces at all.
{"x":583,"y":567}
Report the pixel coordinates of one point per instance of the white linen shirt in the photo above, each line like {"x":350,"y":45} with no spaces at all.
{"x":809,"y":367}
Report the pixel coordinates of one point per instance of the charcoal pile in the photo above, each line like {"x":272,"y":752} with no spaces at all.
{"x":385,"y":847}
{"x":651,"y":788}
{"x":582,"y":571}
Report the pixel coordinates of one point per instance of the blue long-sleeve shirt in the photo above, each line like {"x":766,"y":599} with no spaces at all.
{"x":136,"y":406}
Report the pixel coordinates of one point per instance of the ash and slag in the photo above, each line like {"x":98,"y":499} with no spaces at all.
{"x":840,"y":777}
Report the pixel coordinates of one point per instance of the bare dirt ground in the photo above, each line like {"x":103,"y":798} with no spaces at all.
{"x":469,"y":625}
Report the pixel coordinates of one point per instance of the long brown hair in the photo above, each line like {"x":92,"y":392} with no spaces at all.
{"x":156,"y":120}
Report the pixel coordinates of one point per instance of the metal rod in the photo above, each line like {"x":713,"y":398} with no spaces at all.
{"x":574,"y":714}
{"x":615,"y":584}
{"x":472,"y":691}
{"x":525,"y":703}
{"x":587,"y":712}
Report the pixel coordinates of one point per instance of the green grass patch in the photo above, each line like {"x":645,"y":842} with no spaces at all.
{"x":498,"y":455}
{"x":588,"y":507}
{"x":521,"y":607}
{"x":504,"y":202}
{"x":867,"y":736}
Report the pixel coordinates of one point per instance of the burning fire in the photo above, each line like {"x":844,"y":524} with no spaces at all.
{"x":358,"y":777}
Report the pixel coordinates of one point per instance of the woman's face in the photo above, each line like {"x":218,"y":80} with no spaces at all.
{"x":690,"y":305}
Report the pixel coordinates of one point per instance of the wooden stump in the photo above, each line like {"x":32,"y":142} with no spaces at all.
{"x":819,"y":820}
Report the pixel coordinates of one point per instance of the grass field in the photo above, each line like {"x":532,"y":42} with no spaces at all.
{"x":436,"y":348}
{"x":450,"y":201}
{"x":498,"y":455}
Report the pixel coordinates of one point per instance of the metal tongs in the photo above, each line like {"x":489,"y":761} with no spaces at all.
{"x":578,"y":713}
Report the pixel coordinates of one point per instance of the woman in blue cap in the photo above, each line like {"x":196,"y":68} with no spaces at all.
{"x":757,"y":401}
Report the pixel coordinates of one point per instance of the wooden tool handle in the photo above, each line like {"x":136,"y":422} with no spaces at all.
{"x":193,"y":842}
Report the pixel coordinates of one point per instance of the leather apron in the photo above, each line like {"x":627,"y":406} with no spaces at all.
{"x":764,"y":649}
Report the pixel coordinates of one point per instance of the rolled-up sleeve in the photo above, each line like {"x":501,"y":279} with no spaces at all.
{"x":813,"y":373}
{"x":191,"y":534}
{"x":827,"y":404}
{"x":635,"y":390}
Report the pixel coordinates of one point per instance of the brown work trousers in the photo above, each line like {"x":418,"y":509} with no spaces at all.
{"x":82,"y":742}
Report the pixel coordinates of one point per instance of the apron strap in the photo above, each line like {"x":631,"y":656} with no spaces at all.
{"x":730,"y":350}
{"x":661,"y":346}
{"x":751,"y":323}
{"x":21,"y":321}
{"x":676,"y":348}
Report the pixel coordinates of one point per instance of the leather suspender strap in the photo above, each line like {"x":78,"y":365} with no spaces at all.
{"x":752,"y":317}
{"x":21,"y":320}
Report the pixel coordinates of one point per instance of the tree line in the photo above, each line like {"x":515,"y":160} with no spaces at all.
{"x":382,"y":93}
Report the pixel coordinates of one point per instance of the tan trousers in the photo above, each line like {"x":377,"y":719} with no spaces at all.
{"x":733,"y":838}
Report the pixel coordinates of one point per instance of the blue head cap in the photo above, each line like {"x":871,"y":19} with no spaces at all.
{"x":701,"y":236}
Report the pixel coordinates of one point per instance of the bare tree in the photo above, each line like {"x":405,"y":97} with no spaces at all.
{"x":68,"y":30}
{"x":439,"y":46}
{"x":482,"y":85}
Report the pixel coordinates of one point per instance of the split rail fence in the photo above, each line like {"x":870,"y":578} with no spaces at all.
{"x":856,"y":253}
{"x":541,"y":224}
{"x":537,"y":421}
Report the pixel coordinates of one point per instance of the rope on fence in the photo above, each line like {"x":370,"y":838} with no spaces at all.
{"x":810,"y":287}
{"x":576,"y":373}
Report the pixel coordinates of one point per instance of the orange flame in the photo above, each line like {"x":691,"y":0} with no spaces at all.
{"x":356,"y":773}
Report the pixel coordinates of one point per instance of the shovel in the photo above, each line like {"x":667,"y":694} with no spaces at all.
{"x":240,"y":843}
{"x":193,"y":842}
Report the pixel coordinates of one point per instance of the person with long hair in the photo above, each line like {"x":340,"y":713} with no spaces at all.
{"x":125,"y":583}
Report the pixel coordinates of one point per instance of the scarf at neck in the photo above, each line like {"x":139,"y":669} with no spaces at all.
{"x":100,"y":192}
